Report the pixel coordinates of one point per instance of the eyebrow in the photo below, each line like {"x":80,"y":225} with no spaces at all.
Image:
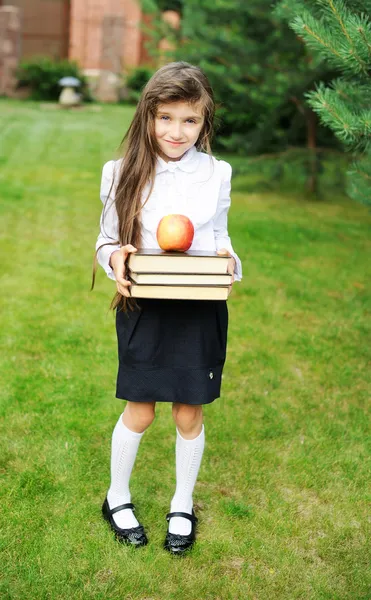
{"x":195,"y":117}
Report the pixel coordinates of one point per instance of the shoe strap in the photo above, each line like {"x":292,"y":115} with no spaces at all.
{"x":121,"y":507}
{"x":192,"y":517}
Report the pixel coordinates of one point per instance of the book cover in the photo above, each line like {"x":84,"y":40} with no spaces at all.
{"x":180,"y":279}
{"x":179,"y":292}
{"x":192,"y":262}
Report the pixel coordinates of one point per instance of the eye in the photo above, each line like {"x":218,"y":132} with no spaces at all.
{"x":191,"y":121}
{"x":164,"y":118}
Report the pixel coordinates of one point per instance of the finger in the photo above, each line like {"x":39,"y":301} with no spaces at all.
{"x":125,"y":293}
{"x":124,"y":290}
{"x":123,"y":282}
{"x":223,"y":251}
{"x":231,"y":270}
{"x":129,"y":248}
{"x":126,"y":250}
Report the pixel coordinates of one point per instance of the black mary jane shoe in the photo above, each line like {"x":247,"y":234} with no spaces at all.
{"x":135,"y":536}
{"x":174,"y":542}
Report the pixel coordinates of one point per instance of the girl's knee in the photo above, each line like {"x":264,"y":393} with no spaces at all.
{"x":139,"y":415}
{"x":186,"y":415}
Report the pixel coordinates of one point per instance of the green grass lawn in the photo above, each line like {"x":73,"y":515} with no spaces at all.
{"x":282,"y":495}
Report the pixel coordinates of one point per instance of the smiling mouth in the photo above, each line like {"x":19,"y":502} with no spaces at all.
{"x":174,"y":143}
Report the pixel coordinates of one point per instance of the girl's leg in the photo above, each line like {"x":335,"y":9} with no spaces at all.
{"x":190,"y":443}
{"x":126,"y":437}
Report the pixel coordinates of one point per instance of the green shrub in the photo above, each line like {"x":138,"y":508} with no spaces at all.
{"x":136,"y":80}
{"x":42,"y":74}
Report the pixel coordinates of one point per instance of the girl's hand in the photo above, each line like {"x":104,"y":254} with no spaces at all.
{"x":231,"y":265}
{"x":117,"y":262}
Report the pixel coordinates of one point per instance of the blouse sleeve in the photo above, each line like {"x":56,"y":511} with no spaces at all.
{"x":108,"y":220}
{"x":222,"y":239}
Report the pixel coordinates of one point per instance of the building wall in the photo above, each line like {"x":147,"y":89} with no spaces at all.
{"x":105,"y":37}
{"x":99,"y":34}
{"x":10,"y":36}
{"x":45,"y":27}
{"x":105,"y":34}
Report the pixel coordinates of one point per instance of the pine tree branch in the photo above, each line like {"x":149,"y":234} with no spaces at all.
{"x":352,"y":128}
{"x":340,"y":21}
{"x":344,"y":29}
{"x":358,"y":96}
{"x":320,"y":39}
{"x":367,"y":43}
{"x":316,"y":37}
{"x":341,"y":33}
{"x":320,"y":105}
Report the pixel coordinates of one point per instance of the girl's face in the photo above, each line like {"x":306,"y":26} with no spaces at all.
{"x":177,"y":128}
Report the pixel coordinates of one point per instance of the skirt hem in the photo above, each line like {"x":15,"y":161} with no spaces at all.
{"x":175,"y":384}
{"x":126,"y":399}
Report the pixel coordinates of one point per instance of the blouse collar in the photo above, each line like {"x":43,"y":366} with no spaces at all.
{"x":187,"y":163}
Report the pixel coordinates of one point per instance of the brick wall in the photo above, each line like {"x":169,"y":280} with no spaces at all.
{"x":9,"y":48}
{"x":105,"y":38}
{"x":45,"y":27}
{"x":105,"y":34}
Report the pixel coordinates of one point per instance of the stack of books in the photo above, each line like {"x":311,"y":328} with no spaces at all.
{"x":192,"y":275}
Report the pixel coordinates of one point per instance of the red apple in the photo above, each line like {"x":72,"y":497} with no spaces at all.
{"x":175,"y":232}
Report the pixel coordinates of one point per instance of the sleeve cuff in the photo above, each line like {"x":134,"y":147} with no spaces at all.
{"x":238,"y":266}
{"x":104,"y":256}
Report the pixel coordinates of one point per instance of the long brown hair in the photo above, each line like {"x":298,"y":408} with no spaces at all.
{"x":174,"y":82}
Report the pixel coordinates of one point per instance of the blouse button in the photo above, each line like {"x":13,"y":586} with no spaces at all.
{"x":211,"y":374}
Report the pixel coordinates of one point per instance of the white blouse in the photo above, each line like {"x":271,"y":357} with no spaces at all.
{"x":197,"y":186}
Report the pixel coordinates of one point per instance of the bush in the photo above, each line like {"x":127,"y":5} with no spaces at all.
{"x":136,"y":80}
{"x":42,"y":74}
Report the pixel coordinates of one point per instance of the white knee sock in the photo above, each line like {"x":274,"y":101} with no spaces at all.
{"x":188,"y":461}
{"x":124,"y":449}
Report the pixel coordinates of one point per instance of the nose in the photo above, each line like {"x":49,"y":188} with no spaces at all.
{"x":176,"y":131}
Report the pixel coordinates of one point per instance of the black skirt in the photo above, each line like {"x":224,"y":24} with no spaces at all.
{"x":171,"y":350}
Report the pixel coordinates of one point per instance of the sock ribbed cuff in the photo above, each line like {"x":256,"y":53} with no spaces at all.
{"x":129,"y":432}
{"x":194,"y":439}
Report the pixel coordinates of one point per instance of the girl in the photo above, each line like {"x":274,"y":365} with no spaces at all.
{"x":169,"y":350}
